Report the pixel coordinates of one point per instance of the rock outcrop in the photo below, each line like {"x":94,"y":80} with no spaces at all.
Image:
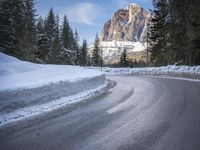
{"x":128,"y":24}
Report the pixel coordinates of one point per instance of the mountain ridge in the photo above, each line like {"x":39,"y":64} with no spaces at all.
{"x":127,"y":29}
{"x":128,"y":24}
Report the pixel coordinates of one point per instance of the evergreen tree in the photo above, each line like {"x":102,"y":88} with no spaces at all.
{"x":158,"y":32}
{"x":7,"y":30}
{"x":186,"y":22}
{"x":50,"y":25}
{"x":56,"y":50}
{"x":175,"y":32}
{"x":42,"y":42}
{"x":88,"y":60}
{"x":193,"y":31}
{"x":65,"y":33}
{"x":66,"y":40}
{"x":96,"y":52}
{"x":76,"y":48}
{"x":16,"y":9}
{"x":40,"y":26}
{"x":83,"y":54}
{"x":28,"y":40}
{"x":50,"y":31}
{"x":124,"y":59}
{"x":19,"y":24}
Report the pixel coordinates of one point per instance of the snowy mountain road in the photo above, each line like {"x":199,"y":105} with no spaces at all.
{"x":137,"y":113}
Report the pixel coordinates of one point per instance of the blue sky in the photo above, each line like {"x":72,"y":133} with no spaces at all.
{"x":87,"y":16}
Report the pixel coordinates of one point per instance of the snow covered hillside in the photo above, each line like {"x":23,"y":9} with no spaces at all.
{"x":28,"y":87}
{"x":112,"y":50}
{"x":130,"y":46}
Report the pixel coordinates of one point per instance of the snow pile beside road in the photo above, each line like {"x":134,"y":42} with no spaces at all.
{"x":179,"y":71}
{"x":15,"y":74}
{"x":23,"y":113}
{"x":171,"y":69}
{"x":24,"y":85}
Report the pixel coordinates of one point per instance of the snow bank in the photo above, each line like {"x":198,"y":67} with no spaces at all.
{"x":171,"y":70}
{"x":23,"y":84}
{"x":15,"y":74}
{"x":38,"y":109}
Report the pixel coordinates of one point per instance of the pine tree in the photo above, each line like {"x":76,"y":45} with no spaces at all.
{"x":193,"y":31}
{"x":184,"y":30}
{"x":40,"y":26}
{"x":96,"y":52}
{"x":17,"y":20}
{"x":50,"y":25}
{"x":7,"y":30}
{"x":76,"y":48}
{"x":28,"y":40}
{"x":42,"y":42}
{"x":66,"y":40}
{"x":158,"y":32}
{"x":83,"y":54}
{"x":124,"y":59}
{"x":177,"y":31}
{"x":65,"y":33}
{"x":56,"y":50}
{"x":50,"y":31}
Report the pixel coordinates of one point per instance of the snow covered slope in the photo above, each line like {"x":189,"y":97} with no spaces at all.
{"x":130,"y":46}
{"x":15,"y":74}
{"x":112,"y":50}
{"x":28,"y":89}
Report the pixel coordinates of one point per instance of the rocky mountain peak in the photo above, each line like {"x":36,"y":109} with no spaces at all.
{"x":129,"y":24}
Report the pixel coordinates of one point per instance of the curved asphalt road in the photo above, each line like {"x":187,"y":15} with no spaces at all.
{"x":138,"y":113}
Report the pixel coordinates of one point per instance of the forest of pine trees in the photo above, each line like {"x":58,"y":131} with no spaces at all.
{"x":173,"y":35}
{"x":43,"y":40}
{"x":174,"y":32}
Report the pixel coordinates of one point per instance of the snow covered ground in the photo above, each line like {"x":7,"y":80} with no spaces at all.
{"x":22,"y":113}
{"x":15,"y":74}
{"x":116,"y":45}
{"x":171,"y":70}
{"x":112,"y":50}
{"x":27,"y":88}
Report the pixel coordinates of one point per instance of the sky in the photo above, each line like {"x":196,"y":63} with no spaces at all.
{"x":87,"y":16}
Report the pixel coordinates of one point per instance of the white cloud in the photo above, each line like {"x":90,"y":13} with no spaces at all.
{"x":84,"y":13}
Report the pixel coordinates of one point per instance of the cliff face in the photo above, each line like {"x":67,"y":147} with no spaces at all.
{"x":128,"y":24}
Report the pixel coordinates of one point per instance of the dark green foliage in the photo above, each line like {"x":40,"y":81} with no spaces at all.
{"x":96,"y":58}
{"x":50,"y":25}
{"x":28,"y":42}
{"x":42,"y":42}
{"x":124,"y":59}
{"x":83,"y":54}
{"x":55,"y":53}
{"x":18,"y":36}
{"x":158,"y":33}
{"x":50,"y":33}
{"x":67,"y":41}
{"x":174,"y":34}
{"x":7,"y":30}
{"x":36,"y":40}
{"x":76,"y":48}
